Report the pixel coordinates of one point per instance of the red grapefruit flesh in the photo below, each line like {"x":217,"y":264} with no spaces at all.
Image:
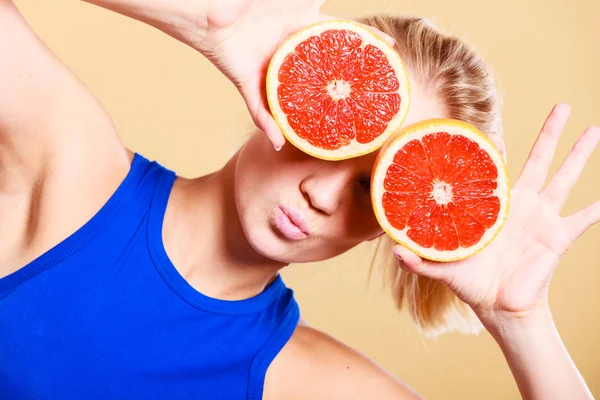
{"x":337,"y":90}
{"x":440,"y":188}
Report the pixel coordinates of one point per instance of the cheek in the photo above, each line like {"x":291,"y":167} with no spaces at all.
{"x":356,"y":225}
{"x":349,"y":232}
{"x":368,"y":227}
{"x":262,"y":177}
{"x":256,"y":165}
{"x":250,"y":166}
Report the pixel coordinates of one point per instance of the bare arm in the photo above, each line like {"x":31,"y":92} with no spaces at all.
{"x":238,"y":36}
{"x":60,"y":156}
{"x":185,"y":20}
{"x":313,"y":365}
{"x":38,"y":92}
{"x":539,"y":361}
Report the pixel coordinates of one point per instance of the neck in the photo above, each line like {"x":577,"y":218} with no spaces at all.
{"x":210,"y":248}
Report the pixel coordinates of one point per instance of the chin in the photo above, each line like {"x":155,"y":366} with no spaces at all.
{"x":278,"y":250}
{"x":265,"y":242}
{"x":270,"y":245}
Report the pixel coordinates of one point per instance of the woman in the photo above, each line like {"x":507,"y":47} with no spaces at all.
{"x":121,"y":280}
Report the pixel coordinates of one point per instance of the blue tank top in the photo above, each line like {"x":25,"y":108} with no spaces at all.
{"x":105,"y":314}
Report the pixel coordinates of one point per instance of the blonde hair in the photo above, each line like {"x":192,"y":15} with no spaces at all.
{"x":465,"y":86}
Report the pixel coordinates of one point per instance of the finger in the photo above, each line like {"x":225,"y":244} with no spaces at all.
{"x":564,"y":178}
{"x":533,"y":174}
{"x":266,"y":122}
{"x":582,"y":220}
{"x":257,"y":105}
{"x":411,"y":262}
{"x":499,"y":143}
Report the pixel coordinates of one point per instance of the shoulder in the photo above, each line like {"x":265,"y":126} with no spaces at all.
{"x":314,"y":365}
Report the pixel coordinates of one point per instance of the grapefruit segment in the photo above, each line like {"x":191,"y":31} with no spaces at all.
{"x":337,"y":90}
{"x":399,"y":206}
{"x":422,"y":225}
{"x":412,"y":157}
{"x":470,"y":231}
{"x":296,"y":72}
{"x":477,"y":188}
{"x":446,"y":236}
{"x":399,"y":179}
{"x":440,"y":188}
{"x":483,"y":209}
{"x":383,"y":105}
{"x":436,"y":147}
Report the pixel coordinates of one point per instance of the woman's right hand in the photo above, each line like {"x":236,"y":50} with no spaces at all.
{"x":240,"y":36}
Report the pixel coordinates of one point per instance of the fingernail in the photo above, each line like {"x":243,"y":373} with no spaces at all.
{"x":396,"y":253}
{"x":277,"y":148}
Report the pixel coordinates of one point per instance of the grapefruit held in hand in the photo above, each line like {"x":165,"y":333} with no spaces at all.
{"x":440,"y":189}
{"x":337,"y":90}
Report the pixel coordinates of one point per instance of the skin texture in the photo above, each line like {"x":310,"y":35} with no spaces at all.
{"x":61,"y":160}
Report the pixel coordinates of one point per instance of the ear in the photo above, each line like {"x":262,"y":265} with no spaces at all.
{"x":499,"y":143}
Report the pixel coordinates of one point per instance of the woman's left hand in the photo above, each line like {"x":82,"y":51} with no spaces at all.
{"x":240,"y":36}
{"x":509,"y":279}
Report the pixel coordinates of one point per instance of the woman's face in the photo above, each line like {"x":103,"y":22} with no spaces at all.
{"x":297,"y":208}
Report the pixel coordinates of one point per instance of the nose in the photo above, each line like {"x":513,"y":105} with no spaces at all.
{"x":327,"y":188}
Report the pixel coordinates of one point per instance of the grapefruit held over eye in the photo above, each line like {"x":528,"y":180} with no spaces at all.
{"x":440,"y":188}
{"x":337,"y":90}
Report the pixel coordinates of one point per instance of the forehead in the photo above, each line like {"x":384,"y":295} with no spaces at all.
{"x":424,"y":104}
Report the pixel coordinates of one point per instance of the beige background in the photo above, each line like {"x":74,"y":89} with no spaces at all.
{"x":171,"y":105}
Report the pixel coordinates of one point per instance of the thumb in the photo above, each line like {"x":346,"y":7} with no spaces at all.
{"x":411,"y":262}
{"x":264,"y":120}
{"x":257,"y":105}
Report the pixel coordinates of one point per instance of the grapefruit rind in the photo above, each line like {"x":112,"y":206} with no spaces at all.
{"x":417,"y":131}
{"x":354,"y":149}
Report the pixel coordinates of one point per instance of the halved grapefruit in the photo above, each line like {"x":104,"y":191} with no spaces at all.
{"x":440,"y":188}
{"x":337,"y":90}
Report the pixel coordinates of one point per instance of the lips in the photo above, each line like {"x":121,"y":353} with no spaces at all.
{"x":296,"y":219}
{"x":290,"y":223}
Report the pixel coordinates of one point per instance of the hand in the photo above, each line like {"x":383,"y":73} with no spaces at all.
{"x":241,"y":36}
{"x":509,"y":279}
